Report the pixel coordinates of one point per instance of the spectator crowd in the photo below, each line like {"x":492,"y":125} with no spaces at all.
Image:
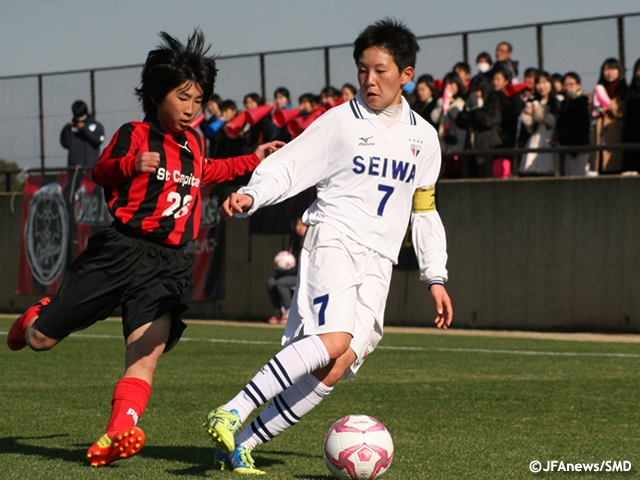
{"x":484,"y":109}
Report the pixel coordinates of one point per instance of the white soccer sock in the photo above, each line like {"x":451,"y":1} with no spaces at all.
{"x":284,"y":411}
{"x":286,"y":368}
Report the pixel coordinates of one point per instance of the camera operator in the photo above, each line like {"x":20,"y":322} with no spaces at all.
{"x":82,"y":136}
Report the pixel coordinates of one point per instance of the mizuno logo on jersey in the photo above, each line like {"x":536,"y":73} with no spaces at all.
{"x":385,"y":167}
{"x":364,"y":142}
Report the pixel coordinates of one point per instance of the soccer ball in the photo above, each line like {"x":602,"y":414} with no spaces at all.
{"x":358,"y":447}
{"x":284,"y":261}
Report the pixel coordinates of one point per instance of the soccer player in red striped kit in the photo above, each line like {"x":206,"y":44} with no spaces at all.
{"x":151,"y":172}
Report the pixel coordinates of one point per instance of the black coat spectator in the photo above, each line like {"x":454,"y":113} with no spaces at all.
{"x":82,"y":136}
{"x":610,"y":121}
{"x":573,"y":124}
{"x":631,"y":127}
{"x":481,"y":118}
{"x":510,"y":107}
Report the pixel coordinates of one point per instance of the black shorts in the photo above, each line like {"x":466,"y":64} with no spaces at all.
{"x":144,"y":278}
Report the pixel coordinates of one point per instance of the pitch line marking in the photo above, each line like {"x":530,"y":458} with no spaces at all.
{"x":391,"y":347}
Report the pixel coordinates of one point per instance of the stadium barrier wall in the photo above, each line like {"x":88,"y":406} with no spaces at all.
{"x":557,"y":254}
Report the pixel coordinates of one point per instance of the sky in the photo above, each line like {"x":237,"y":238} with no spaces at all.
{"x":42,"y":36}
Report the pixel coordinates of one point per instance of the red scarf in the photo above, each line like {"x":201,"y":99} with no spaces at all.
{"x":612,"y":88}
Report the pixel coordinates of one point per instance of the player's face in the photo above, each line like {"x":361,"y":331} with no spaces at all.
{"x":179,"y":107}
{"x":380,"y":78}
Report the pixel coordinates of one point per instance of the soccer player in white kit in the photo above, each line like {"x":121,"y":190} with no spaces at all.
{"x":375,"y":164}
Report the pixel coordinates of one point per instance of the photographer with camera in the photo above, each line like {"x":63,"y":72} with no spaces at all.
{"x":82,"y":136}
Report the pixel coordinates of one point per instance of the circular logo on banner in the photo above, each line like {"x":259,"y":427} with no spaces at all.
{"x":46,"y":233}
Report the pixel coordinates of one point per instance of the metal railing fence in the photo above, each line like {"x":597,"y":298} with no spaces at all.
{"x":12,"y":179}
{"x":34,"y":108}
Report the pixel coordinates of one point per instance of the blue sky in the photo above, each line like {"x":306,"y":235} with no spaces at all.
{"x":41,"y":36}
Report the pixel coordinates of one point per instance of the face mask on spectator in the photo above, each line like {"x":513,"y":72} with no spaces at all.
{"x":483,"y":67}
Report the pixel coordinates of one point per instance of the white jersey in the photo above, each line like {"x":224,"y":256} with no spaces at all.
{"x":366,"y":174}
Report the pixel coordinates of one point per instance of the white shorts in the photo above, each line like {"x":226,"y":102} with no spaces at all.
{"x":342,"y":287}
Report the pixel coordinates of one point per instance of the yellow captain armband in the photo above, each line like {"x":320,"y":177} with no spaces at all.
{"x":424,"y":200}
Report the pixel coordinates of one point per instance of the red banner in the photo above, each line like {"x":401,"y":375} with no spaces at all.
{"x":61,"y":212}
{"x":207,"y":250}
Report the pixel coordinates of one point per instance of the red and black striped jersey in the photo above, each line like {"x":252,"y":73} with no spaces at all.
{"x":164,"y":206}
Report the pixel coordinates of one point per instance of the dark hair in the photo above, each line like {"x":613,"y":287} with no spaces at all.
{"x":556,"y":77}
{"x":484,"y":56}
{"x":216,"y":98}
{"x":621,"y":89}
{"x":482,"y":83}
{"x":499,"y":68}
{"x":573,"y":75}
{"x":173,"y":64}
{"x":507,"y":44}
{"x":453,"y":77}
{"x":79,"y":109}
{"x":282,"y":91}
{"x":553,"y":103}
{"x":351,"y":88}
{"x":634,"y":85}
{"x":391,"y":36}
{"x":464,"y":66}
{"x":228,"y":105}
{"x":309,"y":97}
{"x":330,"y":92}
{"x":531,"y":71}
{"x":255,"y":97}
{"x":425,"y":78}
{"x":428,"y":81}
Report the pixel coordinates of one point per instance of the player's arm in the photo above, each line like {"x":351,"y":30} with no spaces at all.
{"x":235,"y":203}
{"x":297,"y":166}
{"x":430,"y":243}
{"x":217,"y":171}
{"x":121,"y":161}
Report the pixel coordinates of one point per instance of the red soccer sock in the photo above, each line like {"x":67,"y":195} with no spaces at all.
{"x":129,"y":401}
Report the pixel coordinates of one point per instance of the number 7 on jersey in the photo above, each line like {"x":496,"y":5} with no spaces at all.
{"x":388,"y":190}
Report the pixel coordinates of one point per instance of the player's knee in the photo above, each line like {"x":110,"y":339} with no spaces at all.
{"x":336,"y":344}
{"x":38,"y":341}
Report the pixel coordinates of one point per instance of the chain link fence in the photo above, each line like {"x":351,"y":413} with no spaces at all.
{"x":34,"y":108}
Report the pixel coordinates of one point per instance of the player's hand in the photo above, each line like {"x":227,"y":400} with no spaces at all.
{"x":235,"y":203}
{"x":443,"y":306}
{"x":266,"y":149}
{"x":148,"y":162}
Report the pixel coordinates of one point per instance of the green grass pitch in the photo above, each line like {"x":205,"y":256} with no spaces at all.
{"x":457,"y":407}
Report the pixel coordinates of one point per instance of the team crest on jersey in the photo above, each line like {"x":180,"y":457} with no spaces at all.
{"x":416,"y":146}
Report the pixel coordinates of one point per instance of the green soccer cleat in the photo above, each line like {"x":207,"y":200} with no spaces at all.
{"x":222,"y":426}
{"x":238,"y":461}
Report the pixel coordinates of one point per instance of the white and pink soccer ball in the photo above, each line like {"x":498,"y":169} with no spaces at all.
{"x":358,"y":447}
{"x":284,"y":261}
